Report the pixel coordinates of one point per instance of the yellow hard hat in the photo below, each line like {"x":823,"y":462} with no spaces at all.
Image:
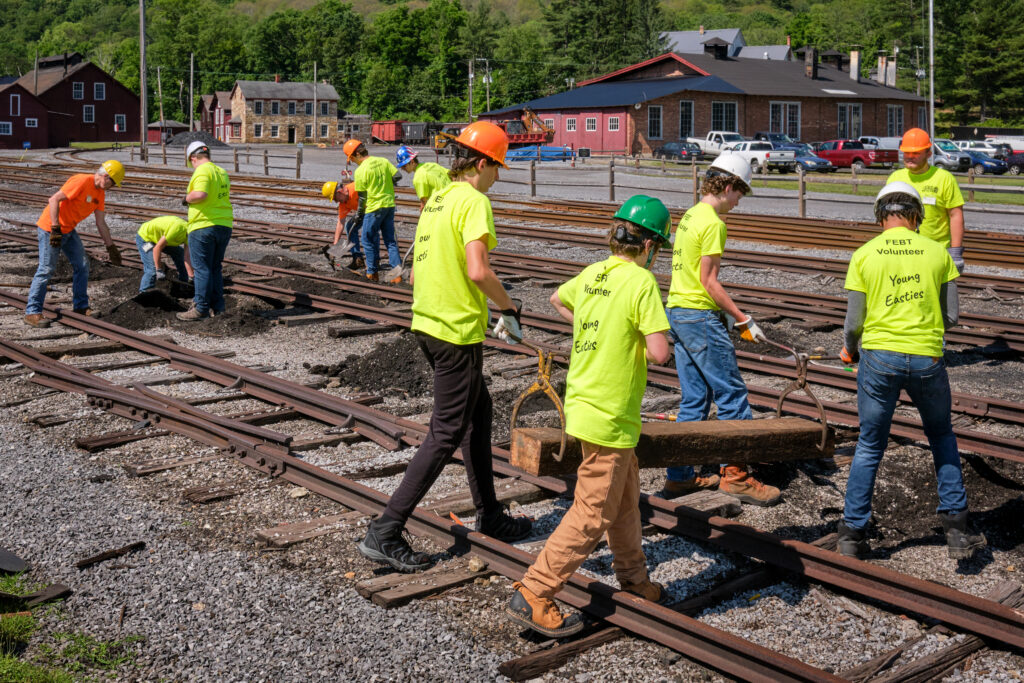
{"x":329,"y":189}
{"x":114,"y":169}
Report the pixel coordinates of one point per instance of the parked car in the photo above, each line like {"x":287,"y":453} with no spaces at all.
{"x":847,"y":153}
{"x":948,"y":156}
{"x":873,"y":142}
{"x":686,"y":151}
{"x":983,"y":163}
{"x":809,"y":161}
{"x":762,"y":156}
{"x":989,"y":148}
{"x":1015,"y":163}
{"x":778,"y":140}
{"x":712,"y":144}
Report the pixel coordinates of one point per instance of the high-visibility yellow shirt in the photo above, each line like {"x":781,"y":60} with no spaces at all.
{"x":216,"y":208}
{"x":700,"y":233}
{"x":901,"y":274}
{"x":939,"y":192}
{"x":429,"y":178}
{"x":171,"y":228}
{"x":615,"y":304}
{"x":83,"y":197}
{"x":446,"y":304}
{"x":375,"y":178}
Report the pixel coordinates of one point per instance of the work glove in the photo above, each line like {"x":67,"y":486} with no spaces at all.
{"x":751,"y":331}
{"x":161,"y":275}
{"x":849,"y":358}
{"x":114,"y":254}
{"x":957,"y":253}
{"x":55,"y":238}
{"x":508,"y":328}
{"x":184,"y":202}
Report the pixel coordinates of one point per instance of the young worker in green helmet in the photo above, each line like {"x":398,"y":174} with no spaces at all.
{"x":618,"y":325}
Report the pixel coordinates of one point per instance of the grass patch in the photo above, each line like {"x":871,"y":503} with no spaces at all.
{"x":15,"y":632}
{"x":13,"y":670}
{"x":17,"y":584}
{"x":102,"y":145}
{"x":79,"y":652}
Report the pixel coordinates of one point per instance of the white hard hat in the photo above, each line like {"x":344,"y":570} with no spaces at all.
{"x":898,"y":187}
{"x":734,"y":165}
{"x":194,"y":147}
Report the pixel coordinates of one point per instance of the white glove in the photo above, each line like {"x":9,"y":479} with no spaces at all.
{"x":161,"y":275}
{"x":752,"y":332}
{"x":508,"y":330}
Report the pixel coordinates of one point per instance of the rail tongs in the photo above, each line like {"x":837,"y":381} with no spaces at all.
{"x":542,"y":385}
{"x":800,"y":382}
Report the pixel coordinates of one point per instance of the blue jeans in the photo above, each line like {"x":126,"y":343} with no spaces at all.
{"x":207,"y":247}
{"x":380,"y":223}
{"x":352,"y":235}
{"x":71,"y":245}
{"x":880,"y":377}
{"x":708,"y":373}
{"x":177,"y":255}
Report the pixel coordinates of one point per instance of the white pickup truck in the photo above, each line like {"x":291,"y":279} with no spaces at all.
{"x":711,"y":146}
{"x":763,"y":157}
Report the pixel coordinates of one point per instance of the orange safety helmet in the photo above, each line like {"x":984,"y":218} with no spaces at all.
{"x":350,"y":148}
{"x":487,"y":138}
{"x":915,"y":140}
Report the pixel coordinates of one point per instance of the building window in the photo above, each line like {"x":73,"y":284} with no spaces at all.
{"x":784,"y":118}
{"x":550,"y":123}
{"x":274,"y":131}
{"x":291,"y":109}
{"x":78,"y":90}
{"x":257,"y":107}
{"x":15,"y":105}
{"x":355,"y":127}
{"x":922,"y":118}
{"x":849,"y":121}
{"x":654,"y":122}
{"x":308,"y":130}
{"x":275,"y":108}
{"x":99,"y":91}
{"x":685,"y":119}
{"x":31,"y":123}
{"x":88,"y":113}
{"x":236,"y":129}
{"x":341,"y":127}
{"x":570,"y":125}
{"x":323,"y":130}
{"x":894,"y":120}
{"x":120,"y":123}
{"x":723,"y":116}
{"x":309,"y":108}
{"x":325,"y":107}
{"x":591,"y":124}
{"x":613,"y":123}
{"x":6,"y":128}
{"x":257,"y":130}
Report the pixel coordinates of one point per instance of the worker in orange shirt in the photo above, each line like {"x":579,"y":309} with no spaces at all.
{"x":83,"y":194}
{"x":348,"y":201}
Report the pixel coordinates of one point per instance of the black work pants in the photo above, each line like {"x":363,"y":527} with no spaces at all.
{"x":461,"y":419}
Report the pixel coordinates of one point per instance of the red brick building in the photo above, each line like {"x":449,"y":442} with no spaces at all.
{"x":23,"y":119}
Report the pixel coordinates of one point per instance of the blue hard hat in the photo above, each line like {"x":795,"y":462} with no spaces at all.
{"x":404,"y":155}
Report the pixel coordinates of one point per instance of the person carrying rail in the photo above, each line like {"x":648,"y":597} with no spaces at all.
{"x":210,"y":217}
{"x":701,"y":313}
{"x":427,"y":178}
{"x":939,"y":191}
{"x":375,"y":179}
{"x":619,"y":325}
{"x":902,"y":298}
{"x":163,"y":235}
{"x":348,"y":201}
{"x":452,"y":280}
{"x":81,"y":195}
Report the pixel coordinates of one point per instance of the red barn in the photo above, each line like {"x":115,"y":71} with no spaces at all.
{"x":85,"y":103}
{"x":22,"y":118}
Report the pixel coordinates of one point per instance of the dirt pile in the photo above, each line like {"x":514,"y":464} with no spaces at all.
{"x":183,"y":139}
{"x":395,"y":365}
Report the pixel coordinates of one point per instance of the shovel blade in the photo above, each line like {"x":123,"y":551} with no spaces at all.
{"x":395,"y":272}
{"x":341,"y":248}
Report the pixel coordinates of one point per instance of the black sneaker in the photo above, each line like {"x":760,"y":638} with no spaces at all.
{"x":961,"y":541}
{"x":503,"y":527}
{"x":852,"y":542}
{"x":385,"y":543}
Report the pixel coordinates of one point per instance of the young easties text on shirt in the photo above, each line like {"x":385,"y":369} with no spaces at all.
{"x":897,"y":281}
{"x":581,"y":345}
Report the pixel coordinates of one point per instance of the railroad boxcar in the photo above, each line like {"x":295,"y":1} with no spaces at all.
{"x":388,"y":131}
{"x":415,"y":133}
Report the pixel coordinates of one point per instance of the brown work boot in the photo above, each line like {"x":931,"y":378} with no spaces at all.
{"x":738,"y":483}
{"x":36,"y":320}
{"x":191,"y":315}
{"x":647,"y":589}
{"x":83,"y":311}
{"x":541,"y":614}
{"x":373,"y":277}
{"x":674,"y":489}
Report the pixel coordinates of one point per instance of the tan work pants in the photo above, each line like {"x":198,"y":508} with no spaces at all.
{"x":607,"y":499}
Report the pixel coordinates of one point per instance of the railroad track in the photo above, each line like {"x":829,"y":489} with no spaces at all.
{"x":268,"y":452}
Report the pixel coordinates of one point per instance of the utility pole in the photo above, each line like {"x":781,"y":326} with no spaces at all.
{"x":487,"y":78}
{"x":35,"y":75}
{"x":191,"y":81}
{"x":471,"y":89}
{"x":315,"y":130}
{"x":160,"y":101}
{"x":931,"y":69}
{"x":143,"y":115}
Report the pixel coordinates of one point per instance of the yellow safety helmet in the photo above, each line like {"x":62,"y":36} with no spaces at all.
{"x":114,"y":169}
{"x":329,"y":189}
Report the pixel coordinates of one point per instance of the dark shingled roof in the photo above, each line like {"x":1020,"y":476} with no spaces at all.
{"x":270,"y":90}
{"x":48,"y":77}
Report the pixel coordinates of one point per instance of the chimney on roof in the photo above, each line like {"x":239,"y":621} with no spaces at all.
{"x":833,"y":58}
{"x":277,"y":78}
{"x":788,"y":43}
{"x":811,"y":62}
{"x":890,"y":73}
{"x":702,"y":29}
{"x":880,"y":71}
{"x":855,"y":65}
{"x":65,"y":63}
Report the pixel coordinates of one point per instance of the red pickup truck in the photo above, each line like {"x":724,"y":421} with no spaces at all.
{"x":847,"y":153}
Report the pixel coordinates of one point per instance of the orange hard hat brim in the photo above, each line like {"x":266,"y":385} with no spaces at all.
{"x":914,"y":148}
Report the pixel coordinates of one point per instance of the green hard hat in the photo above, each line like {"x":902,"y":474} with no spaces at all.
{"x":648,"y":213}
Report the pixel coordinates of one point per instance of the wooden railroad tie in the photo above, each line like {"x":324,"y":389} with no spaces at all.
{"x":460,"y":502}
{"x":287,"y":535}
{"x":394,"y":590}
{"x":211,"y":493}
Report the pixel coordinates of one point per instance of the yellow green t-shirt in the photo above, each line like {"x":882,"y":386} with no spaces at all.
{"x":446,"y":304}
{"x":901,"y":274}
{"x":374,"y":177}
{"x":700,"y":233}
{"x":940,"y":192}
{"x":429,"y":178}
{"x":216,"y":208}
{"x":172,"y":228}
{"x":615,"y":304}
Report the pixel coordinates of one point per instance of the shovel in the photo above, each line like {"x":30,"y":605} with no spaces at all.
{"x":399,"y":270}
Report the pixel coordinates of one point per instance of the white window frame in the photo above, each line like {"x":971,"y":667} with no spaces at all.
{"x":341,"y":127}
{"x":355,"y":127}
{"x":654,"y":118}
{"x":275,"y":131}
{"x":6,"y":128}
{"x":88,"y":113}
{"x":590,"y":124}
{"x":236,"y":130}
{"x":894,"y":120}
{"x":550,"y":123}
{"x":121,"y":122}
{"x":849,"y":120}
{"x":309,"y":107}
{"x":325,"y":108}
{"x":275,"y":108}
{"x":570,"y":124}
{"x":78,"y":90}
{"x":31,"y":123}
{"x":291,"y":108}
{"x":99,"y":91}
{"x":724,"y":106}
{"x":257,"y":107}
{"x":15,"y":105}
{"x":781,"y":118}
{"x":324,"y":130}
{"x":307,"y":130}
{"x":613,"y":124}
{"x":257,"y":130}
{"x":685,"y":129}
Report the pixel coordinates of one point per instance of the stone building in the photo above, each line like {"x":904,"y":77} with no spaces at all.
{"x":272,"y":111}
